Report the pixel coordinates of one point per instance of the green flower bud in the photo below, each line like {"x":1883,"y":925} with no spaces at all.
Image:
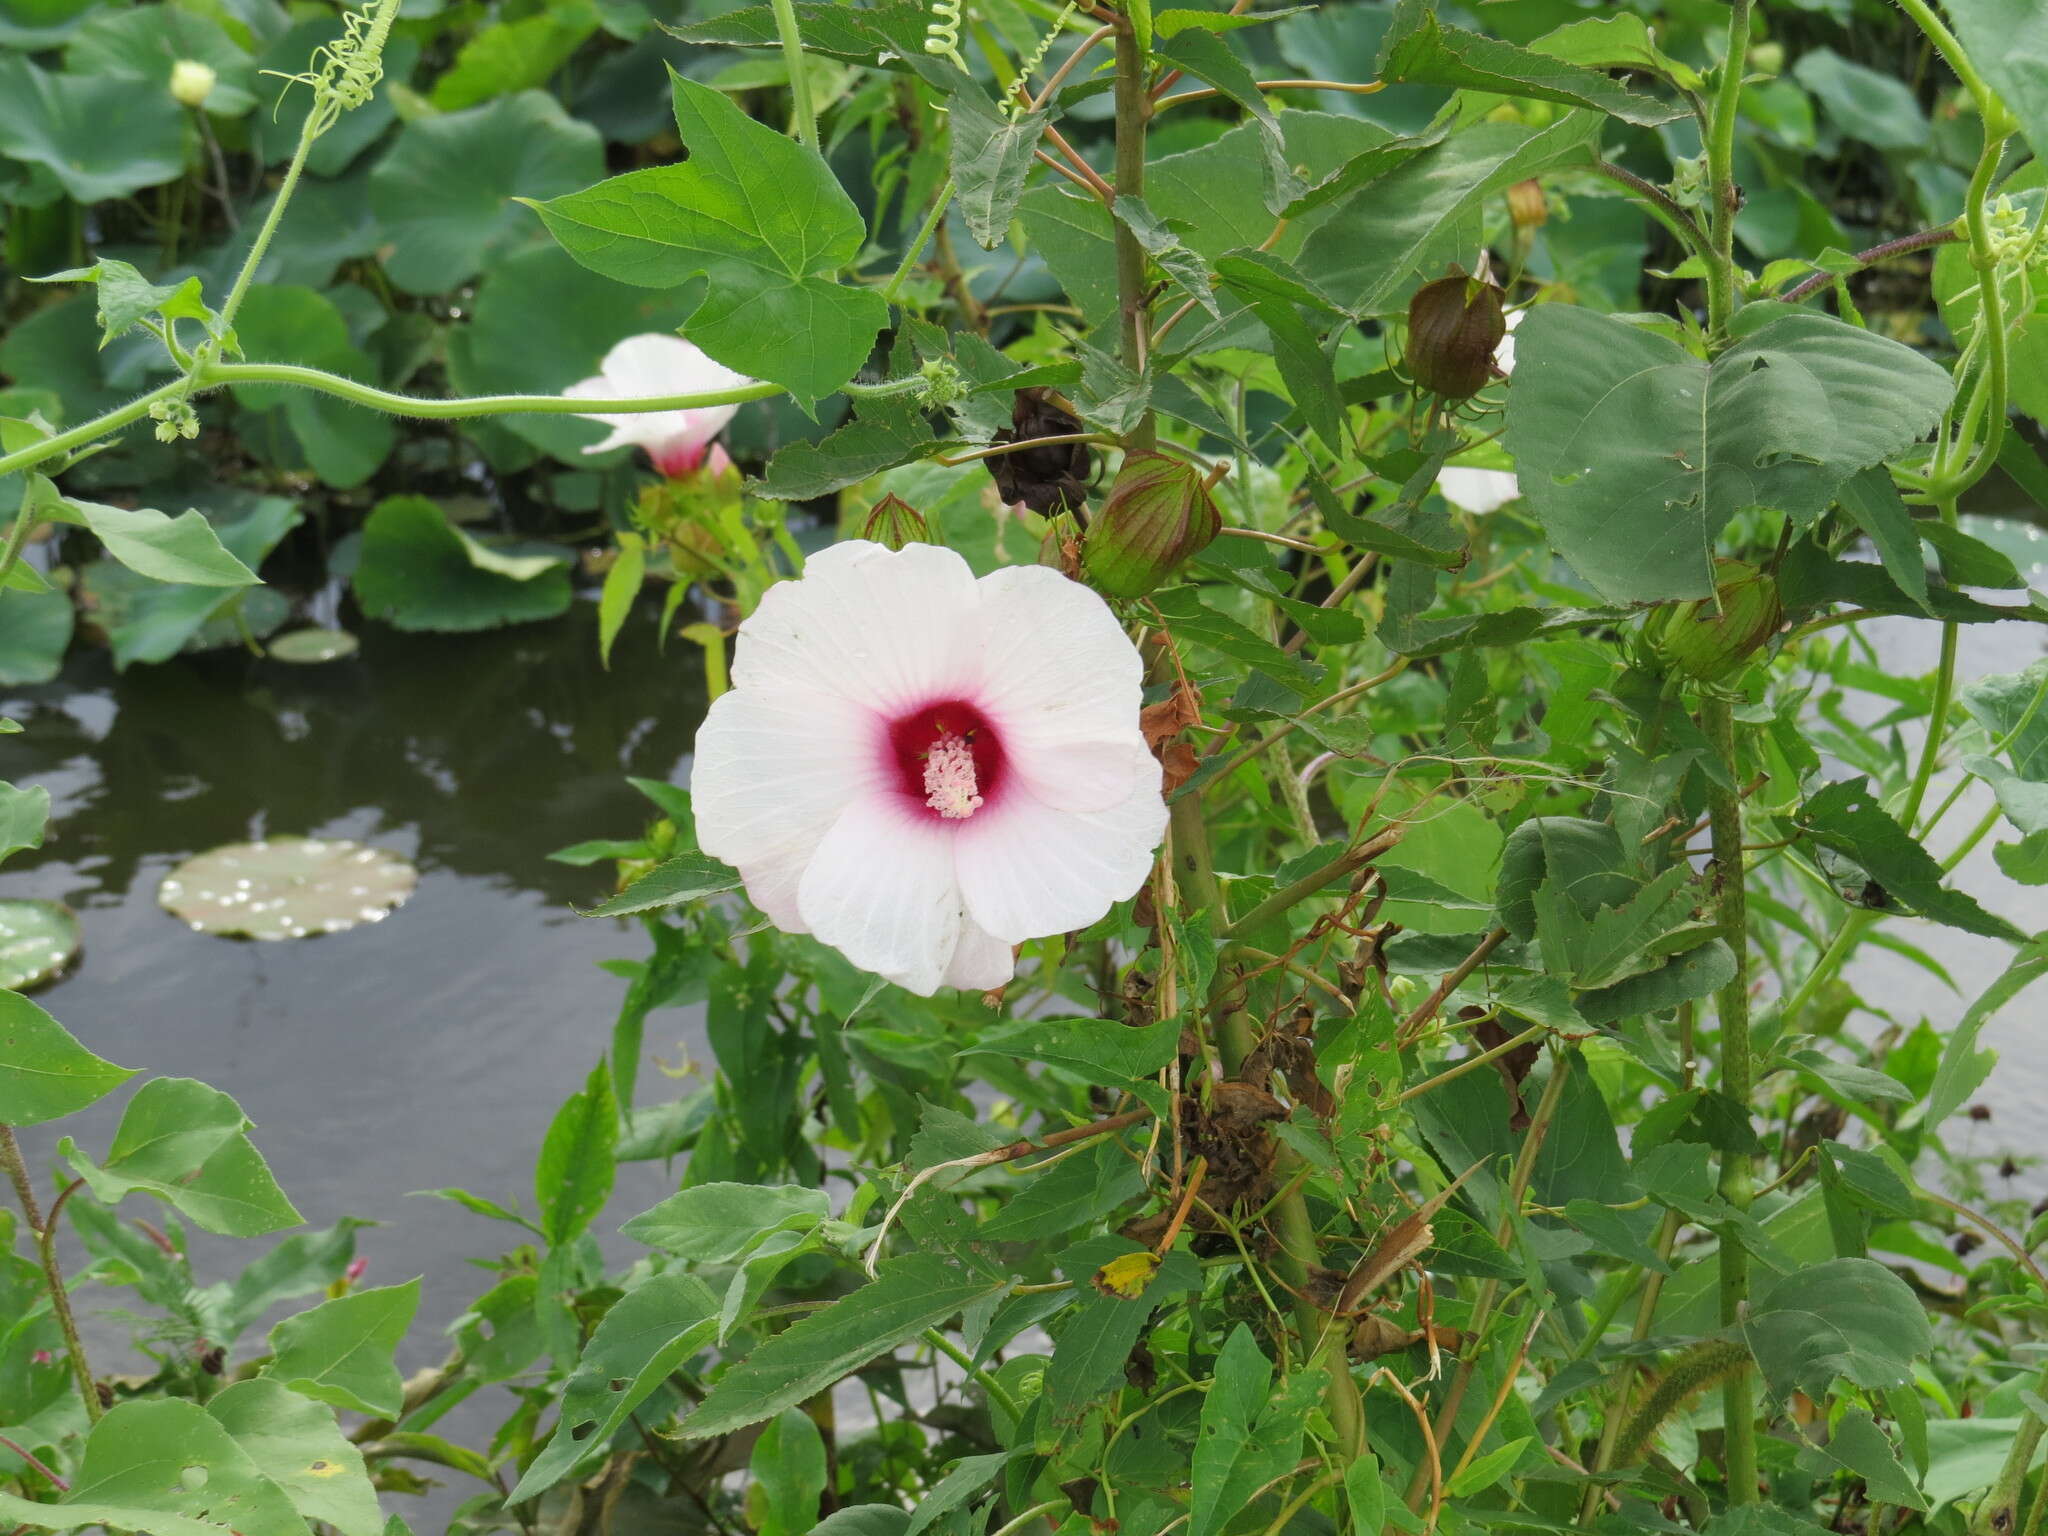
{"x":1454,"y":324}
{"x":1710,"y":639}
{"x":894,"y":522}
{"x":1158,"y":515}
{"x":192,"y":82}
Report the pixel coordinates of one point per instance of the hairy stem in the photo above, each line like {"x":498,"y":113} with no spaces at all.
{"x":45,"y":1231}
{"x":1133,"y":111}
{"x":800,"y":106}
{"x":1727,"y":199}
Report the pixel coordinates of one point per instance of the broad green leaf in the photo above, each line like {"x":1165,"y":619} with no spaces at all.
{"x":1620,"y":41}
{"x":44,"y":1073}
{"x":515,"y":55}
{"x":884,"y":435}
{"x":23,"y":815}
{"x":341,"y":1351}
{"x":125,"y":296}
{"x":1425,"y":212}
{"x":418,"y":572}
{"x":138,"y":45}
{"x":1846,"y":818}
{"x":1848,"y":1318}
{"x":2013,"y":708}
{"x":1634,"y":453}
{"x":1487,"y":1470}
{"x":1879,"y":109}
{"x":35,"y":631}
{"x":2007,"y":40}
{"x":1250,"y":1432}
{"x":1305,"y":369}
{"x":297,"y":1445}
{"x":1420,"y":50}
{"x":1366,"y":1494}
{"x":647,"y":1334}
{"x":716,"y":1223}
{"x":762,"y":220}
{"x":1859,"y":1445}
{"x":991,"y":156}
{"x":1097,"y":1051}
{"x":788,"y":1467}
{"x":1963,"y":1068}
{"x":909,"y":1295}
{"x":148,"y":621}
{"x":1874,"y":504}
{"x":442,"y":191}
{"x":187,"y":1144}
{"x":672,"y":883}
{"x":180,"y":549}
{"x":97,"y":134}
{"x":166,"y":1466}
{"x":1073,"y":1194}
{"x":343,"y":443}
{"x":1869,"y":1178}
{"x":573,"y":1177}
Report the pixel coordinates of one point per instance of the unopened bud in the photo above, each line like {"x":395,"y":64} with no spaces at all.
{"x":1710,"y":639}
{"x":1158,"y":515}
{"x":1526,"y":204}
{"x":192,"y":82}
{"x":894,"y":523}
{"x":1454,"y":324}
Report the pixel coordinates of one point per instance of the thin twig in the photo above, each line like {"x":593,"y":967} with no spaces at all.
{"x":1904,"y":245}
{"x":36,"y":1466}
{"x":1412,"y":1025}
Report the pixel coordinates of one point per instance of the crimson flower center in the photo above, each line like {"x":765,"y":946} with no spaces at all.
{"x":948,"y":759}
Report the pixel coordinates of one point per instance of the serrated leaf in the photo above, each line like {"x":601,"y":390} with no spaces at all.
{"x":1420,"y":50}
{"x":1848,"y":1318}
{"x":1846,"y":818}
{"x":762,"y":220}
{"x":573,"y":1176}
{"x":684,"y":878}
{"x":717,"y":1223}
{"x":991,"y":154}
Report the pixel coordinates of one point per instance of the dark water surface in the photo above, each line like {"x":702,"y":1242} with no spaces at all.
{"x":429,"y":1049}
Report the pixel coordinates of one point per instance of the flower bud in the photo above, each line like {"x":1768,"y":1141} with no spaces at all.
{"x":894,"y":522}
{"x":1526,"y":204}
{"x":1710,"y":639}
{"x":191,"y":82}
{"x":1158,"y":515}
{"x":1454,"y":324}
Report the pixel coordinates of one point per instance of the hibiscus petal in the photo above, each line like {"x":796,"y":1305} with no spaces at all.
{"x":881,"y":890}
{"x":982,"y":961}
{"x":659,"y":364}
{"x":1028,"y":869}
{"x":889,"y":630}
{"x":1064,"y":685}
{"x":1477,"y":490}
{"x":772,"y":772}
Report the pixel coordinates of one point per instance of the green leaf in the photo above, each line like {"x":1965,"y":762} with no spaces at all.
{"x":573,"y":1177}
{"x":35,"y":631}
{"x":1869,"y":1179}
{"x":23,"y":815}
{"x":1633,"y":453}
{"x":97,"y":134}
{"x":1189,"y":272}
{"x":1418,"y":50}
{"x":1963,"y":1068}
{"x":1620,"y":41}
{"x":788,"y":1467}
{"x":621,"y":585}
{"x":1877,"y":108}
{"x":1425,"y":212}
{"x":166,"y":1466}
{"x":1860,"y":1446}
{"x":1074,"y":1194}
{"x":418,"y":572}
{"x":341,"y":1351}
{"x":991,"y":154}
{"x":1848,"y":1318}
{"x":1097,"y":1051}
{"x":125,"y":296}
{"x":187,"y":1144}
{"x":140,"y":45}
{"x":761,"y":218}
{"x":716,"y":1223}
{"x":1366,"y":1494}
{"x":1306,"y":370}
{"x":1874,"y":504}
{"x":1846,"y":818}
{"x":1249,"y":1435}
{"x":44,"y":1073}
{"x":2007,"y":40}
{"x":181,"y":549}
{"x":148,"y":621}
{"x":909,"y":1295}
{"x":967,"y":1477}
{"x":442,"y":191}
{"x":647,"y":1334}
{"x":517,"y":55}
{"x":672,"y":883}
{"x":884,"y":435}
{"x":1488,"y":1469}
{"x":298,"y":1446}
{"x":2013,"y":708}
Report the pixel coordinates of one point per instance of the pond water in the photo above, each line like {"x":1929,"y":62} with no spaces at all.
{"x":429,"y":1049}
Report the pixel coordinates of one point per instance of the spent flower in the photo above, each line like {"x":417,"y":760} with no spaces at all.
{"x":651,"y":365}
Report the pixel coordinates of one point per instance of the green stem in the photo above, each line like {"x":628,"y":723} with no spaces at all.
{"x":1721,"y":173}
{"x":1938,"y":711}
{"x":1618,"y":1410}
{"x":989,"y":1384}
{"x":17,"y":538}
{"x":924,"y":235}
{"x":213,"y":375}
{"x":1724,"y":810}
{"x":45,"y":1231}
{"x":799,"y":76}
{"x":78,"y":437}
{"x":1133,"y":112}
{"x":1999,"y":1513}
{"x":260,"y":246}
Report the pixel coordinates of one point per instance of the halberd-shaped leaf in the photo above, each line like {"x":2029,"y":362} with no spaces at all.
{"x":763,"y":220}
{"x":44,"y":1073}
{"x":1634,"y":453}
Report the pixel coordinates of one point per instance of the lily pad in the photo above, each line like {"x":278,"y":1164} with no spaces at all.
{"x":308,"y":646}
{"x":286,"y":888}
{"x":38,"y":942}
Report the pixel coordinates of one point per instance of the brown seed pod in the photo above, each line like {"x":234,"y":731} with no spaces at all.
{"x":1454,"y":324}
{"x":1044,"y":479}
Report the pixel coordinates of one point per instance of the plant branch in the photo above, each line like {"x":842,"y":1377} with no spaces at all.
{"x":45,"y":1230}
{"x":1675,"y":215}
{"x":800,"y":105}
{"x":1904,"y":245}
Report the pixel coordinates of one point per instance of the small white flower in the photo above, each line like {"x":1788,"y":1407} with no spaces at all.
{"x":1485,"y":490}
{"x":923,"y":769}
{"x":659,"y":364}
